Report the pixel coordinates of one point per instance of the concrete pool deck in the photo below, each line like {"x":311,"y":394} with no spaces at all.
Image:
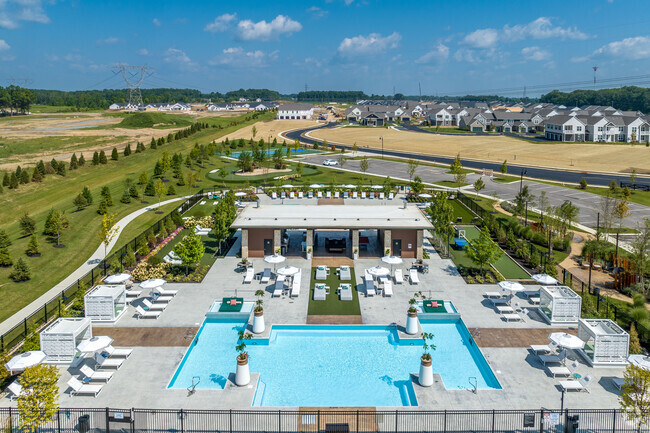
{"x":142,"y":380}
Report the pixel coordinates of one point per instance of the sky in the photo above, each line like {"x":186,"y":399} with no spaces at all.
{"x":446,"y":47}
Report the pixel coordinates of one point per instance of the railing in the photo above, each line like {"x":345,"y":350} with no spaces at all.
{"x":51,"y":310}
{"x":105,"y":420}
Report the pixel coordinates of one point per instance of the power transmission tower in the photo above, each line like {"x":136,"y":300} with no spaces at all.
{"x":595,"y":68}
{"x":18,"y":81}
{"x":133,"y":76}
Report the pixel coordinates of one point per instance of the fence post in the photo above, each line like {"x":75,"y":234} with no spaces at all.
{"x":317,"y":421}
{"x":541,"y":421}
{"x":230,"y":420}
{"x":279,"y":421}
{"x":445,"y":422}
{"x":25,"y":326}
{"x":614,"y":421}
{"x":182,"y":422}
{"x":58,"y":420}
{"x":108,"y":426}
{"x":45,"y":310}
{"x":493,"y":415}
{"x":396,"y":413}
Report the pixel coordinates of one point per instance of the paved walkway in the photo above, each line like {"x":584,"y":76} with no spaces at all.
{"x":149,"y":337}
{"x":82,"y":270}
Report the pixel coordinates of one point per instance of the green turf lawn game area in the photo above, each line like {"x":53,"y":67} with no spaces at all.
{"x":461,"y":211}
{"x":332,"y":305}
{"x":505,"y":265}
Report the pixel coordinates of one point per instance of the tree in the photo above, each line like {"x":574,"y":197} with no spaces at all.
{"x":457,"y":170}
{"x":87,"y":195}
{"x":621,"y":211}
{"x":222,"y":173}
{"x":171,"y":190}
{"x":114,"y":155}
{"x":33,"y":247}
{"x":27,"y":225}
{"x":13,"y":181}
{"x":55,"y":223}
{"x":635,"y":344}
{"x":416,"y":185}
{"x":299,"y":169}
{"x":143,"y":178}
{"x":82,"y":161}
{"x":60,"y":170}
{"x":583,"y":183}
{"x":478,"y":185}
{"x":190,"y":249}
{"x":364,"y":165}
{"x":633,"y":177}
{"x":245,"y":161}
{"x":107,"y":231}
{"x":442,"y":214}
{"x":355,"y":149}
{"x":102,"y":157}
{"x":38,"y":403}
{"x":254,"y":131}
{"x":5,"y":242}
{"x":635,"y":395}
{"x":5,"y":258}
{"x":127,"y":150}
{"x":106,"y":195}
{"x":640,"y":257}
{"x":504,"y":167}
{"x":159,"y":189}
{"x":524,"y":196}
{"x":95,"y":158}
{"x":74,"y":163}
{"x":20,"y":271}
{"x":36,"y":175}
{"x":412,"y":166}
{"x":567,"y":213}
{"x":150,"y":190}
{"x":483,"y":251}
{"x":80,"y":202}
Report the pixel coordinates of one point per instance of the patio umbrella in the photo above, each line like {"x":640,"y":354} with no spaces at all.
{"x":152,"y":284}
{"x":640,"y":361}
{"x":512,"y":286}
{"x":391,"y":260}
{"x":25,"y":360}
{"x":544,"y":279}
{"x":568,"y":341}
{"x":240,"y":194}
{"x":287,"y":271}
{"x":94,"y":344}
{"x":275,"y":259}
{"x":117,"y":278}
{"x":377,"y":187}
{"x":315,"y":185}
{"x":379,"y":271}
{"x":425,"y":195}
{"x":287,"y":185}
{"x":349,"y":185}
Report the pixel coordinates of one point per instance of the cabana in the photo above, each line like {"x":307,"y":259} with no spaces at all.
{"x":59,"y":340}
{"x":559,"y":305}
{"x":606,"y":343}
{"x":105,"y":303}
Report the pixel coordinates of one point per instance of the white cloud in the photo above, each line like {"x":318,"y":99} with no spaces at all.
{"x":247,"y":30}
{"x":466,"y":55}
{"x":220,"y":23}
{"x":108,"y":41}
{"x":372,"y":44}
{"x":482,"y":38}
{"x":348,"y":2}
{"x":178,"y":57}
{"x":12,"y":12}
{"x":541,"y":28}
{"x":535,"y":53}
{"x":156,"y":22}
{"x":317,"y":12}
{"x":437,"y":54}
{"x":4,"y":46}
{"x":144,"y":52}
{"x":237,"y":57}
{"x":636,"y":48}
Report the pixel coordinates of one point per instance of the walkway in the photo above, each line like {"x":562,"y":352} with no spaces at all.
{"x":149,"y":337}
{"x":82,"y":270}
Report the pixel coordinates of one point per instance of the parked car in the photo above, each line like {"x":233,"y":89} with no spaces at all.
{"x":330,"y":162}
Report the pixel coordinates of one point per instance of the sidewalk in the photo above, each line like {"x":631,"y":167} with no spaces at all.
{"x":95,"y":259}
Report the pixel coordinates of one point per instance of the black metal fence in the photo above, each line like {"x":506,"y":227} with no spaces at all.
{"x":105,"y":420}
{"x":52,"y":309}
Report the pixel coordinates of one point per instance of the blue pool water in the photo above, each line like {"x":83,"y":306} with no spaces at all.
{"x":333,"y":365}
{"x":270,"y":152}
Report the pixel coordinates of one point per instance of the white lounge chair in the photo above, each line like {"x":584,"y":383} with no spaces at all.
{"x":328,"y":194}
{"x":300,"y":194}
{"x":499,"y":301}
{"x":250,"y":275}
{"x":104,"y":362}
{"x":320,"y":293}
{"x":388,"y":287}
{"x":118,"y":353}
{"x":559,"y":370}
{"x":344,"y":273}
{"x":337,"y":194}
{"x":279,"y":286}
{"x":15,"y":389}
{"x":390,"y":196}
{"x":399,"y":278}
{"x":576,"y":385}
{"x":550,"y":359}
{"x":142,"y":314}
{"x":274,"y":195}
{"x":371,"y":195}
{"x":413,"y":276}
{"x":319,"y":194}
{"x":355,"y":194}
{"x":321,"y":273}
{"x":283,"y":195}
{"x":543,"y":348}
{"x":512,"y":317}
{"x":295,"y":284}
{"x":164,"y":292}
{"x":382,"y":196}
{"x":370,"y":286}
{"x":91,"y":374}
{"x":346,"y":195}
{"x":292,"y":194}
{"x":493,"y":295}
{"x":266,"y":275}
{"x":310,"y":194}
{"x":154,"y":307}
{"x":80,"y":388}
{"x":363,"y":194}
{"x":132,"y":293}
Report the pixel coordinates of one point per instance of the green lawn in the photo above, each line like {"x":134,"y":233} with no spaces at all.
{"x":210,"y":242}
{"x":332,"y":306}
{"x":17,"y":147}
{"x":462,"y":211}
{"x":450,"y":184}
{"x":37,"y":108}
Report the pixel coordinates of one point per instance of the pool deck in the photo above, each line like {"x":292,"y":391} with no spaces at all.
{"x":159,"y":345}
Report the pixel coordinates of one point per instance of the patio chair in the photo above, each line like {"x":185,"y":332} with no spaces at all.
{"x":495,"y":295}
{"x":371,"y":195}
{"x":91,"y":374}
{"x":279,"y":287}
{"x":163,"y":292}
{"x":295,"y":284}
{"x":132,"y":293}
{"x":413,"y":276}
{"x":382,"y":196}
{"x":283,"y":195}
{"x":399,"y":278}
{"x":328,"y":194}
{"x":550,"y":359}
{"x":142,"y":314}
{"x":108,"y":362}
{"x":370,"y":286}
{"x":344,"y":273}
{"x":512,"y":317}
{"x":319,"y":194}
{"x":337,"y":194}
{"x":154,"y":307}
{"x":266,"y":275}
{"x":346,"y":195}
{"x":80,"y":388}
{"x":390,"y":196}
{"x":319,"y":292}
{"x":355,"y":194}
{"x":321,"y":273}
{"x":310,"y":194}
{"x":388,"y":287}
{"x":292,"y":194}
{"x":363,"y":194}
{"x":300,"y":194}
{"x":118,"y":353}
{"x":577,"y":385}
{"x":15,"y":389}
{"x":543,"y":348}
{"x":559,"y":370}
{"x":250,"y":275}
{"x":274,"y":195}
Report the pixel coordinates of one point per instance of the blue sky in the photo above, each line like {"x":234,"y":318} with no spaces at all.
{"x":449,"y":47}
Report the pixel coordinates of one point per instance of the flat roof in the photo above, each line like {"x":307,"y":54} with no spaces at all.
{"x":332,"y":217}
{"x":68,"y":325}
{"x":560,"y":291}
{"x":603,"y":327}
{"x":109,"y":290}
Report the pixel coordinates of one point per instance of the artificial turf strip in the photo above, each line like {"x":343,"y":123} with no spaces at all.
{"x":462,"y":211}
{"x":332,"y":305}
{"x":210,"y":243}
{"x":505,"y":265}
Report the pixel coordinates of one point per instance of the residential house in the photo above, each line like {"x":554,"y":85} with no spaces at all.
{"x":565,"y":128}
{"x":295,"y":110}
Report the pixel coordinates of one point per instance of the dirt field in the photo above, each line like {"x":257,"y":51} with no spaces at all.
{"x":270,"y":127}
{"x":574,"y":156}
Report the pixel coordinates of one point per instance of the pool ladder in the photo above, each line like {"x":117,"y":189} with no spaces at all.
{"x":474,"y":385}
{"x":192,"y":388}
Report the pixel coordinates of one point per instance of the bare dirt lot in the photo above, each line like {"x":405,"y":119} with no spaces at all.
{"x":270,"y":127}
{"x":574,"y":156}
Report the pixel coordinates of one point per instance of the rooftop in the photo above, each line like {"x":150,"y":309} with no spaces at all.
{"x":602,"y":326}
{"x":113,"y":290}
{"x":68,"y":325}
{"x":560,"y":291}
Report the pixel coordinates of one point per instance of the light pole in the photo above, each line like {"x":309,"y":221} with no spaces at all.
{"x":382,"y":147}
{"x":521,"y":179}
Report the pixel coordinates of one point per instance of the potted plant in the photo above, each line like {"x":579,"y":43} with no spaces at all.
{"x":356,"y":253}
{"x":242,"y":375}
{"x":425,"y":377}
{"x":258,"y":318}
{"x":308,"y":253}
{"x":387,"y":252}
{"x":412,"y":317}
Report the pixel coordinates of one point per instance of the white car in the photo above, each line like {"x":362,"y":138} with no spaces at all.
{"x":330,"y":162}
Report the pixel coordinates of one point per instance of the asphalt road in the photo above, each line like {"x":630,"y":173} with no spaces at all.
{"x":514,"y":169}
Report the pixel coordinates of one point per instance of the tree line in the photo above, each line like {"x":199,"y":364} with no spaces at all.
{"x":630,"y":98}
{"x":16,"y":99}
{"x":331,"y":95}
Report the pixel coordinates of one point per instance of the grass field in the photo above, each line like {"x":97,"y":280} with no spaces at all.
{"x":461,"y":211}
{"x":36,"y":108}
{"x":332,"y":305}
{"x":154,"y":120}
{"x":14,"y":147}
{"x":210,"y":242}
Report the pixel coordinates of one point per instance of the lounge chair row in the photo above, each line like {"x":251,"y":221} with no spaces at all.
{"x":152,"y":309}
{"x":329,"y":194}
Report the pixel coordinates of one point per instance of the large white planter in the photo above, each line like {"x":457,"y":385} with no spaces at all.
{"x":412,"y":323}
{"x":258,"y":322}
{"x":308,"y":256}
{"x":426,"y":373}
{"x":243,"y":374}
{"x":356,"y":256}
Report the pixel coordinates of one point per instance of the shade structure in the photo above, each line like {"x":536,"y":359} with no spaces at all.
{"x":511,"y":286}
{"x":275,"y":259}
{"x":379,"y":271}
{"x":240,"y":194}
{"x":392,"y":260}
{"x":153,"y":283}
{"x":315,"y":185}
{"x":377,"y":187}
{"x":568,"y":341}
{"x":349,"y":185}
{"x":117,"y":278}
{"x":25,"y":360}
{"x":544,"y":279}
{"x":287,"y":271}
{"x":425,"y":195}
{"x":640,"y":361}
{"x":94,"y":344}
{"x":287,"y":185}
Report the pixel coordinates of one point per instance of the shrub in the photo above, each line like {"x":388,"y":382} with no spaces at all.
{"x":144,"y":271}
{"x":143,"y":247}
{"x":126,"y":197}
{"x":21,"y":271}
{"x":5,"y":258}
{"x":154,"y":260}
{"x":480,"y":279}
{"x":470,"y":280}
{"x":638,"y":300}
{"x":501,"y":235}
{"x":33,"y":248}
{"x":635,"y":345}
{"x":639,"y":314}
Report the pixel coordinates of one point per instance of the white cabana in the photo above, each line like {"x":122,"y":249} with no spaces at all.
{"x":544,"y":279}
{"x":117,"y":278}
{"x":559,"y":305}
{"x":59,"y":340}
{"x":606,"y":343}
{"x":315,"y":185}
{"x":425,"y":195}
{"x":105,"y":303}
{"x":25,"y":360}
{"x":377,"y":187}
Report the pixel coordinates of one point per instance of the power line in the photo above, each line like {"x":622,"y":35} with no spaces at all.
{"x":134,"y":76}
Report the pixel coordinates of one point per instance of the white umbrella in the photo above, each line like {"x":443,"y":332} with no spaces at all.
{"x":425,"y":195}
{"x":315,"y":185}
{"x":287,"y":271}
{"x":25,"y":360}
{"x":349,"y":185}
{"x":391,"y":260}
{"x":275,"y":259}
{"x":544,"y":279}
{"x":117,"y":278}
{"x":512,"y":286}
{"x":287,"y":185}
{"x":379,"y":271}
{"x":152,"y":284}
{"x":94,"y":344}
{"x":377,"y":187}
{"x":640,"y":361}
{"x":240,"y":194}
{"x":568,"y":341}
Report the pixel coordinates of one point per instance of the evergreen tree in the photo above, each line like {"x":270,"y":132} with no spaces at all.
{"x":171,"y":190}
{"x":153,"y":144}
{"x":18,"y":171}
{"x":102,"y":209}
{"x":55,"y":223}
{"x":143,"y":178}
{"x":33,"y":247}
{"x":102,"y":158}
{"x":1,"y":189}
{"x":60,"y":169}
{"x":41,"y":167}
{"x":129,"y":257}
{"x":24,"y":177}
{"x":5,"y":258}
{"x":157,"y":170}
{"x":82,"y":160}
{"x":133,"y":192}
{"x":21,"y":271}
{"x":127,"y":150}
{"x":54,"y":163}
{"x":95,"y":158}
{"x":13,"y":181}
{"x":114,"y":155}
{"x":87,"y":195}
{"x":106,"y":195}
{"x":27,"y":225}
{"x":5,"y":242}
{"x":37,"y":176}
{"x":126,"y":197}
{"x":149,"y":190}
{"x":5,"y":179}
{"x":74,"y":163}
{"x":80,"y":202}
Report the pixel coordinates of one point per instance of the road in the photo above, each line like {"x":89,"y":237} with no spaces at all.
{"x":601,"y":179}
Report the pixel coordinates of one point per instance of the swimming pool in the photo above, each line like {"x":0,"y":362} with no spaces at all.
{"x":270,"y":152}
{"x":313,"y":365}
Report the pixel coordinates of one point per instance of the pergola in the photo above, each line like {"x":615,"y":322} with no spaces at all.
{"x":105,"y":303}
{"x":606,"y":343}
{"x":559,"y":304}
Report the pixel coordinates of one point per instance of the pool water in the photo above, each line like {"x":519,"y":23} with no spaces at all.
{"x":334,"y":365}
{"x":270,"y":152}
